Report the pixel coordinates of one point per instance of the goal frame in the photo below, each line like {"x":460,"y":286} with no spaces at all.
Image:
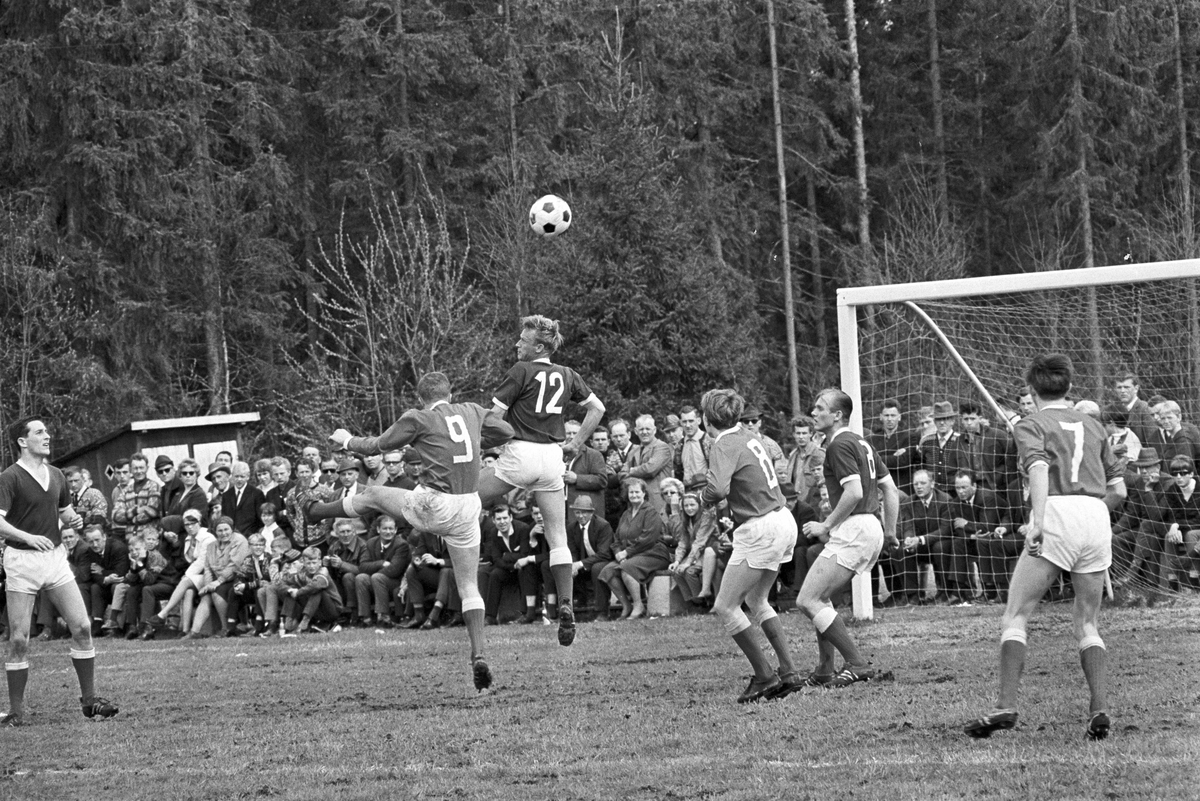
{"x":851,"y":298}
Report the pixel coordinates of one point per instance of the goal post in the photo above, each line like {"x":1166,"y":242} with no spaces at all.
{"x":1142,"y":319}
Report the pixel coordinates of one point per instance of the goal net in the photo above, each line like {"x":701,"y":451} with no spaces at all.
{"x":1141,"y":320}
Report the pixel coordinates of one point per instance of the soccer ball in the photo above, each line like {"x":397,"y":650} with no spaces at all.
{"x":550,"y":216}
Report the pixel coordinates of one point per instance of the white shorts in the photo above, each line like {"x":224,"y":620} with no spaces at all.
{"x":1076,"y":533}
{"x":533,"y":466}
{"x":454,"y":518}
{"x":29,"y":572}
{"x":856,"y":543}
{"x":764,"y":543}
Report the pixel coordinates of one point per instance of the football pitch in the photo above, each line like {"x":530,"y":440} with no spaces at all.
{"x":642,"y":709}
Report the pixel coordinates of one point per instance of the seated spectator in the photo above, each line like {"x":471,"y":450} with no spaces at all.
{"x":431,"y":571}
{"x":253,"y":575}
{"x":1182,"y":516}
{"x":1124,"y":443}
{"x":927,"y":535}
{"x":146,"y":564}
{"x":156,"y":587}
{"x":385,"y":560}
{"x":512,"y":561}
{"x":345,"y":554}
{"x":697,"y":527}
{"x":110,"y":563}
{"x":672,"y":494}
{"x":271,"y":595}
{"x":589,"y":537}
{"x":312,"y":596}
{"x":79,"y":558}
{"x":222,"y":560}
{"x":974,"y":513}
{"x":638,"y":549}
{"x":195,"y":552}
{"x":270,"y":523}
{"x":1139,"y":532}
{"x":540,"y":548}
{"x":89,"y":503}
{"x":983,"y":525}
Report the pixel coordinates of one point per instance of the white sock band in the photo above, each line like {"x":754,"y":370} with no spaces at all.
{"x":824,"y":619}
{"x":1016,"y":635}
{"x":348,"y":506}
{"x":762,"y":614}
{"x":1091,"y":641}
{"x":735,"y":622}
{"x":16,"y":666}
{"x":469,"y":604}
{"x":560,"y":556}
{"x":88,"y":654}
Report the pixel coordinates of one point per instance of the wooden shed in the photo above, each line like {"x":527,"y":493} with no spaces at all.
{"x":201,"y":438}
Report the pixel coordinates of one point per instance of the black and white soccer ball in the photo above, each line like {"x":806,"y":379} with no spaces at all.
{"x":550,"y":216}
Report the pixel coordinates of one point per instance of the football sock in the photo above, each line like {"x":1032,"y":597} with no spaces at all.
{"x":827,"y":656}
{"x":85,"y":670}
{"x":1012,"y":664}
{"x":1093,"y":657}
{"x":563,"y":582}
{"x":773,"y":628}
{"x":326,"y":510}
{"x":749,"y":645}
{"x":18,"y":675}
{"x":839,"y":636}
{"x":474,"y":620}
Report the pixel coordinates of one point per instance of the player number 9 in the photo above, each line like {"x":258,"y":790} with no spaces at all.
{"x":458,"y":433}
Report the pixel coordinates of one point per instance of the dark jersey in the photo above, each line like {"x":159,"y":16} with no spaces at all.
{"x":29,"y":507}
{"x":449,"y":438}
{"x":741,"y":471}
{"x":847,"y":455}
{"x":1073,"y":445}
{"x":534,"y":395}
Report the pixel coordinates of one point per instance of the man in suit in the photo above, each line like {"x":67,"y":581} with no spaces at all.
{"x":241,"y":503}
{"x":649,"y":460}
{"x":350,"y":483}
{"x":980,"y":522}
{"x":109,"y":565}
{"x":1141,"y":419}
{"x":926,"y":525}
{"x":590,"y":538}
{"x":586,"y":474}
{"x":512,"y":562}
{"x":942,"y":452}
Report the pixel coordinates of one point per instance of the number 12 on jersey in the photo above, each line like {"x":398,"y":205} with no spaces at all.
{"x":553,"y":381}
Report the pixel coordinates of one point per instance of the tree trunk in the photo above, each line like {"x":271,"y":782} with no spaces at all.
{"x":512,"y":92}
{"x":939,"y":132}
{"x":704,"y":136}
{"x":789,"y":307}
{"x":860,"y":149}
{"x":1185,"y":195}
{"x":408,"y":166}
{"x":814,"y":254}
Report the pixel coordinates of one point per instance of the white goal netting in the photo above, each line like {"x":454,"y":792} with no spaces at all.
{"x":1150,"y":330}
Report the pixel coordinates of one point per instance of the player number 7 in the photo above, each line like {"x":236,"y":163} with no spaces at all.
{"x":1076,"y":431}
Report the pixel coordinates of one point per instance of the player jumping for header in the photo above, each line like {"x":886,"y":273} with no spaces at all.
{"x":532,"y":398}
{"x":1074,"y":481}
{"x":34,"y":499}
{"x":449,"y":438}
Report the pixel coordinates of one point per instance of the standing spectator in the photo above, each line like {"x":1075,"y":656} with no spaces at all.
{"x":694,"y":451}
{"x":615,"y":454}
{"x":89,"y":502}
{"x":138,"y":508}
{"x":385,"y":560}
{"x":190,"y":497}
{"x":281,"y":476}
{"x":373,"y":473}
{"x":984,"y":448}
{"x":649,"y":460}
{"x":1173,"y":438}
{"x":942,"y":453}
{"x":673,"y":434}
{"x":896,"y":445}
{"x":218,"y":479}
{"x":350,"y":483}
{"x":805,"y":465}
{"x":586,"y":474}
{"x":262,"y":475}
{"x":304,"y":533}
{"x":638,"y":549}
{"x":312,"y":453}
{"x":982,"y":528}
{"x":926,"y":427}
{"x":751,"y":419}
{"x":242,"y":503}
{"x":120,"y":483}
{"x":1140,"y":419}
{"x":393,"y":465}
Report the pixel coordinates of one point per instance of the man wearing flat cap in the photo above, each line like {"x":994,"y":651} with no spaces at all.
{"x":942,"y":452}
{"x":590,"y":539}
{"x":350,"y":482}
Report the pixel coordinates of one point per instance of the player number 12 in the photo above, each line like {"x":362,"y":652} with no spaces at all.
{"x":552,"y":380}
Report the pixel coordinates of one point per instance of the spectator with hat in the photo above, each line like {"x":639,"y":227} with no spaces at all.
{"x":351,"y":471}
{"x":218,"y":478}
{"x":673,"y":434}
{"x":942,"y":452}
{"x":751,"y":419}
{"x":1139,"y":530}
{"x":590,"y":538}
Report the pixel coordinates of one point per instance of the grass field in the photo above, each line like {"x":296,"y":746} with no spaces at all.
{"x":640,"y":709}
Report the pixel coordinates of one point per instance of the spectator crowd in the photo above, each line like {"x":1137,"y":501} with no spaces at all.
{"x":169,"y":554}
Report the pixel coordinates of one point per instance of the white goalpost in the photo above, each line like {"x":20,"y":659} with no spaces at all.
{"x":969,"y":340}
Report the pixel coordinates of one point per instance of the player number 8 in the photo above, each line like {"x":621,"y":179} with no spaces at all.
{"x":764,"y":461}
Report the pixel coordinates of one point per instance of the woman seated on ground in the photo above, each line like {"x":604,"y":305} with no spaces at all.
{"x":221,"y":564}
{"x":672,"y":495}
{"x":195,"y":550}
{"x":638,"y":548}
{"x":697,"y":527}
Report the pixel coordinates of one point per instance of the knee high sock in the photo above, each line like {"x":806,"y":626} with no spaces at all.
{"x":18,"y":675}
{"x":1093,"y":658}
{"x":474,"y":620}
{"x":827,"y":656}
{"x":85,"y":671}
{"x":758,"y":660}
{"x":773,"y":628}
{"x":833,"y":628}
{"x":1012,"y":665}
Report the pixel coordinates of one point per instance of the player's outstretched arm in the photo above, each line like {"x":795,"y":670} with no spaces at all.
{"x":595,"y":410}
{"x":400,"y":434}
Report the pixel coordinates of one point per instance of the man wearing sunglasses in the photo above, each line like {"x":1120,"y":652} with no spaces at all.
{"x":1183,"y":517}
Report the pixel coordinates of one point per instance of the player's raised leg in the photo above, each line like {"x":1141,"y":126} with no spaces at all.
{"x":67,"y":599}
{"x":491,"y":487}
{"x":386,"y":500}
{"x":1089,"y":591}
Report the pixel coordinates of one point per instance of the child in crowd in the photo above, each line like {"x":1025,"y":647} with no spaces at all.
{"x":272,"y":594}
{"x":268,"y":514}
{"x":253,"y":574}
{"x":314,"y":592}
